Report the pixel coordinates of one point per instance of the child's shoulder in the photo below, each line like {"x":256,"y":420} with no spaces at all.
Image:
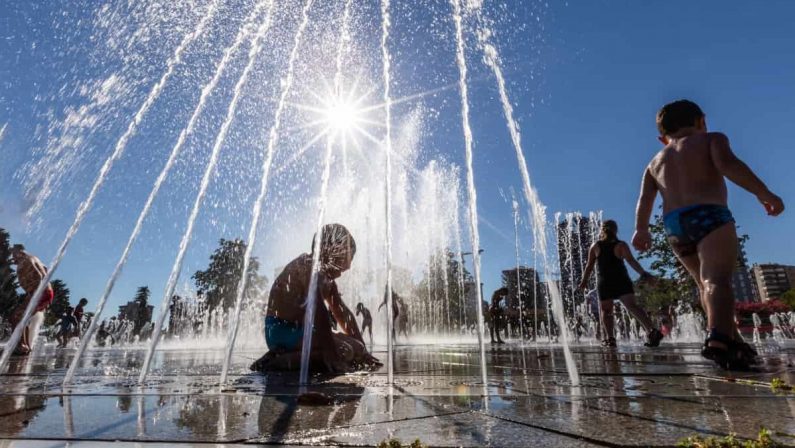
{"x":717,"y":139}
{"x":716,"y":134}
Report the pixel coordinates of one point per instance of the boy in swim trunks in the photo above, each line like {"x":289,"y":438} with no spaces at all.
{"x":30,"y":272}
{"x":284,"y":322}
{"x":689,"y":174}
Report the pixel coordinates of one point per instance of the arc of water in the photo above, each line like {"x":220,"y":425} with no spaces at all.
{"x":446,"y":287}
{"x":311,"y":300}
{"x":569,"y":235}
{"x":273,"y":137}
{"x":536,"y":207}
{"x":459,"y":251}
{"x":86,"y":205}
{"x":535,"y":286}
{"x":473,"y":206}
{"x":581,"y":263}
{"x":205,"y":181}
{"x":175,"y":151}
{"x":385,"y":59}
{"x":518,"y":275}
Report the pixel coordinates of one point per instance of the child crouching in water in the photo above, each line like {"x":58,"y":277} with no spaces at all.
{"x":284,"y":322}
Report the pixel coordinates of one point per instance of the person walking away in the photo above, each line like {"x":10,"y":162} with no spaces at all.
{"x":613,"y":283}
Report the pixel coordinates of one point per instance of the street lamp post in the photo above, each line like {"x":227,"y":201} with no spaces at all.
{"x":463,"y":263}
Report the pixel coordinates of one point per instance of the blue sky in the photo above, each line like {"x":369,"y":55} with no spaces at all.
{"x":585,"y":77}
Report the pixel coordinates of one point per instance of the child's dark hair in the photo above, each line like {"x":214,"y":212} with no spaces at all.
{"x":677,"y":115}
{"x":334,"y":240}
{"x":609,"y":231}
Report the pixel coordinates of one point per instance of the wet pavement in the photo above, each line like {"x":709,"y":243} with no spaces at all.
{"x":630,"y":396}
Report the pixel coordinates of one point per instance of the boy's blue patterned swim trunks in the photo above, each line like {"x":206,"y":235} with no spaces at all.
{"x":687,"y":226}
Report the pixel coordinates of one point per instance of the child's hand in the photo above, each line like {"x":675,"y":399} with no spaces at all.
{"x":772,"y":203}
{"x":641,"y":240}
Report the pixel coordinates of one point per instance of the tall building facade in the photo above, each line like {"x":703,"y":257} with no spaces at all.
{"x":575,"y":235}
{"x":773,"y":279}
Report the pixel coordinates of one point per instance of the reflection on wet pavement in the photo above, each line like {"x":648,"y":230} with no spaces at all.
{"x":629,"y":397}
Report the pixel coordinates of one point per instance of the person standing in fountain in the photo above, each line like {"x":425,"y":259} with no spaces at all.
{"x":613,"y":283}
{"x":284,"y":321}
{"x":78,"y":314}
{"x":66,"y":325}
{"x":397,"y":305}
{"x":367,"y":320}
{"x":689,"y":173}
{"x":497,"y":314}
{"x":30,"y":272}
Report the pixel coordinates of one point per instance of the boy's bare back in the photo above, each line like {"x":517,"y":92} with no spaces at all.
{"x":686,"y":172}
{"x":690,"y":172}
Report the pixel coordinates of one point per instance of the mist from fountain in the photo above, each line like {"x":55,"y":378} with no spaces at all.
{"x":472,"y":192}
{"x":175,"y":151}
{"x":386,"y":61}
{"x":205,"y":181}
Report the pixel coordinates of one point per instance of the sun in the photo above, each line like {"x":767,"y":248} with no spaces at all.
{"x":341,"y":115}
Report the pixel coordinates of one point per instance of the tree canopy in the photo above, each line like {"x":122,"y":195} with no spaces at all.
{"x":219,"y":282}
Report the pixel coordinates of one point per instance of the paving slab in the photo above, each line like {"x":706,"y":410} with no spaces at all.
{"x":629,"y":396}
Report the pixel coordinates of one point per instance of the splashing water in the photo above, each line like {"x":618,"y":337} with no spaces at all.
{"x":85,"y":206}
{"x":311,"y":299}
{"x":515,"y":206}
{"x":472,"y":192}
{"x":205,"y":93}
{"x":385,"y":58}
{"x":205,"y":181}
{"x":531,"y":196}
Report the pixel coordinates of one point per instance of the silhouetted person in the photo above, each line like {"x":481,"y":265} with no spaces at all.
{"x":66,"y":325}
{"x":78,"y":314}
{"x":397,"y":305}
{"x":613,"y":283}
{"x":30,"y":272}
{"x":497,"y":314}
{"x":367,"y":320}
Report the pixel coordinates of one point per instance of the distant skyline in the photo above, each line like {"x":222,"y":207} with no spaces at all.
{"x":585,"y":77}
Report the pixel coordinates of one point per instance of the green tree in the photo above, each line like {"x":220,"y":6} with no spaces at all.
{"x":60,"y":302}
{"x":675,"y":282}
{"x":439,"y":297}
{"x":789,"y":298}
{"x":531,"y":303}
{"x":220,"y":280}
{"x":9,"y":299}
{"x":140,"y":313}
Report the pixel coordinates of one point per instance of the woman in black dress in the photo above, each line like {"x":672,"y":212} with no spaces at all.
{"x":613,"y":283}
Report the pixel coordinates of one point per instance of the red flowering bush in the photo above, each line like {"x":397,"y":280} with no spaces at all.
{"x":763,"y":309}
